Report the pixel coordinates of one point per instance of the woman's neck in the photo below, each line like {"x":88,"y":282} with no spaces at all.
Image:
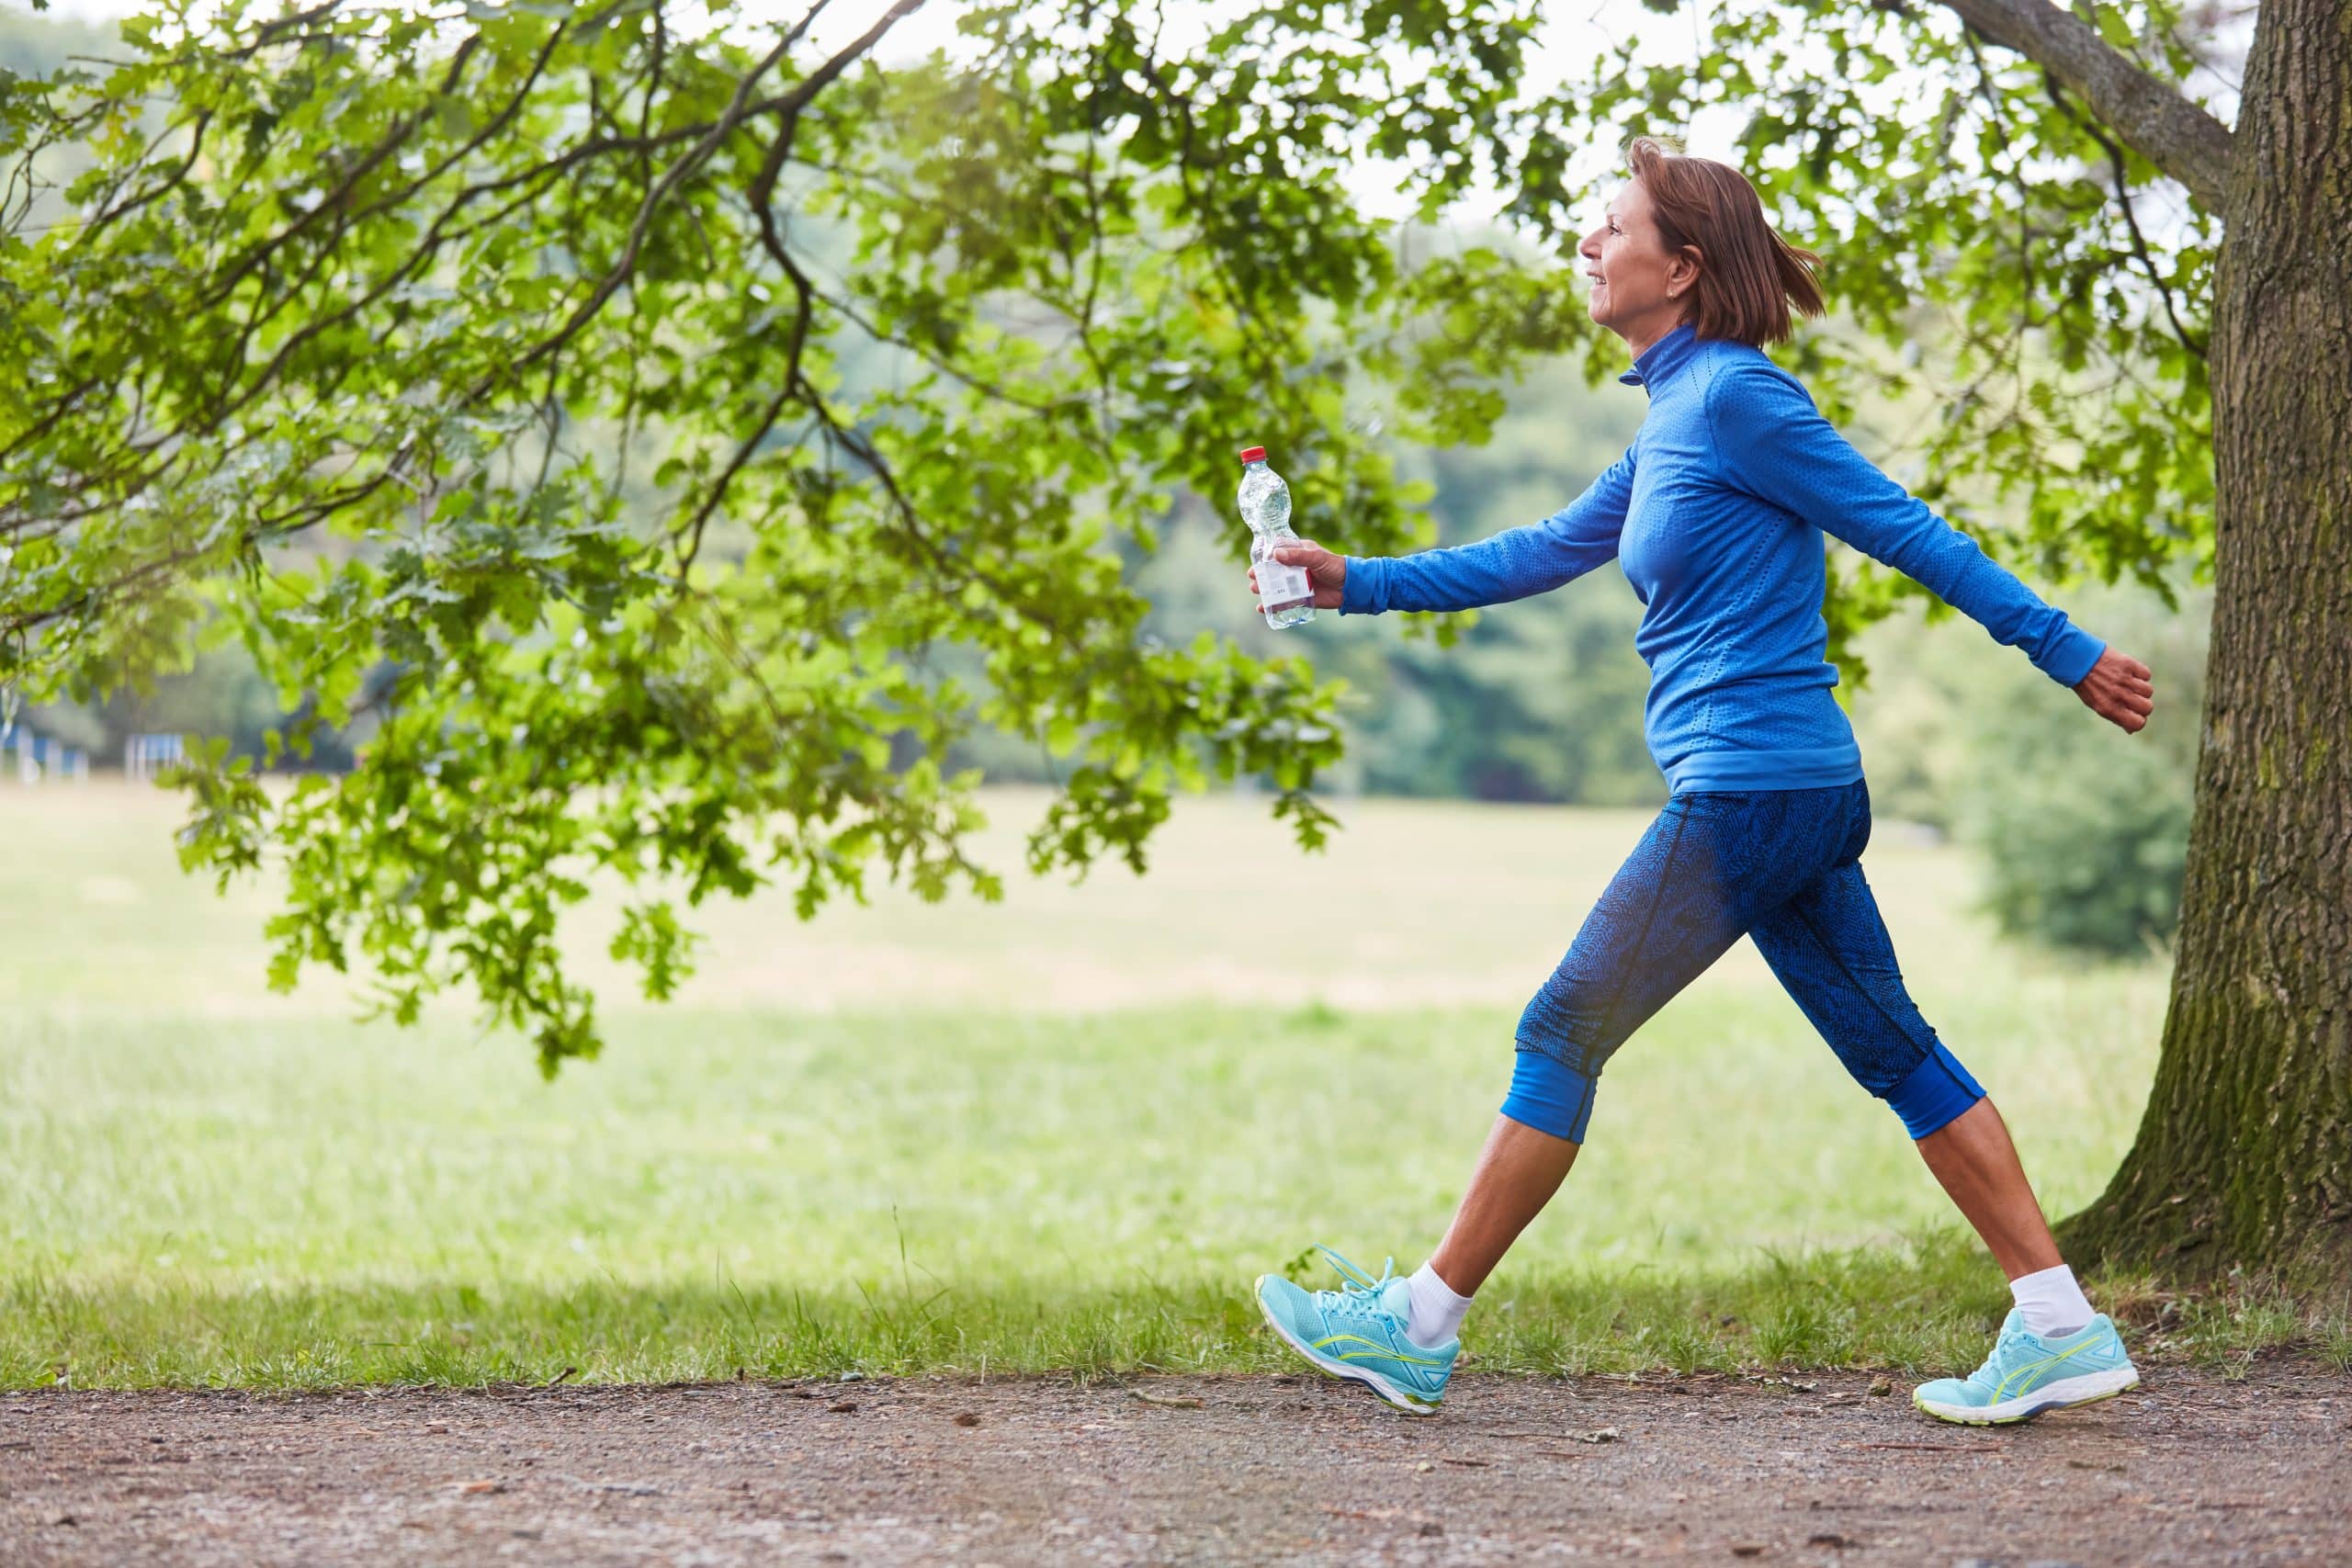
{"x":1646,"y":338}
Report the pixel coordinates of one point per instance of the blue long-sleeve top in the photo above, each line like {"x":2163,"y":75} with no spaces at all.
{"x":1716,"y":514}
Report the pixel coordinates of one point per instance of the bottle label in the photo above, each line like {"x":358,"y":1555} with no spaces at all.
{"x":1279,"y":584}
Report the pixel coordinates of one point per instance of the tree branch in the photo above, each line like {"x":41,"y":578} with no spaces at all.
{"x":2150,"y":116}
{"x":740,"y":108}
{"x":2114,"y":149}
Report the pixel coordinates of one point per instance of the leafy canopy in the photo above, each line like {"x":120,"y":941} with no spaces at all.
{"x":494,"y":372}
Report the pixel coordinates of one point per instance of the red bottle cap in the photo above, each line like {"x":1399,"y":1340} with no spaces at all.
{"x":1253,"y":454}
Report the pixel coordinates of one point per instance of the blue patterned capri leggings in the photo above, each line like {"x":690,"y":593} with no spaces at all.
{"x":1783,"y":867}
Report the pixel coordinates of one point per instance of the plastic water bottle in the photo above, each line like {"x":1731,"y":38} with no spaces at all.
{"x":1288,"y":597}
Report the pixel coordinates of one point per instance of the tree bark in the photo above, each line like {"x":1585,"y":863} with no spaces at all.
{"x":2245,"y":1154}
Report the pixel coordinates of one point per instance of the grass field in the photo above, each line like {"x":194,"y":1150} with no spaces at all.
{"x":1060,"y":1132}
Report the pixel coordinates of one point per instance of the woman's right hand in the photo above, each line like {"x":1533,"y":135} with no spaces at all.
{"x":1326,"y":573}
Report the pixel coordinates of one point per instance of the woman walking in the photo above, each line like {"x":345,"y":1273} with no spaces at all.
{"x":1717,"y":513}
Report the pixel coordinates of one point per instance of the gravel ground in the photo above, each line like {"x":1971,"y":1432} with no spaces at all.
{"x":1813,"y":1468}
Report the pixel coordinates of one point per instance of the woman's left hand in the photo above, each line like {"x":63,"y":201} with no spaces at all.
{"x":2119,"y":688}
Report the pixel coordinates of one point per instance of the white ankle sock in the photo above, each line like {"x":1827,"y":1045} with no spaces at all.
{"x":1436,"y":1316}
{"x":2052,"y":1303}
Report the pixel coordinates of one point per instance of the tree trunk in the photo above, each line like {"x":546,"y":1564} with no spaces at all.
{"x":2244,"y":1155}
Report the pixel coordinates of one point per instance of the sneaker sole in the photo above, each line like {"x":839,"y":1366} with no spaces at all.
{"x":2064,"y":1394}
{"x":1412,"y":1404}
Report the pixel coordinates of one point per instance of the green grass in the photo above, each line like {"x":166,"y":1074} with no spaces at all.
{"x":919,"y":1138}
{"x":1919,"y":1306}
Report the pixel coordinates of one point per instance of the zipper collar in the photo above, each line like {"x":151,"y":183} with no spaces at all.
{"x":1659,"y":361}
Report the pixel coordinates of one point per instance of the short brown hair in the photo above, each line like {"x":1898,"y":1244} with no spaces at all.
{"x":1749,"y":277}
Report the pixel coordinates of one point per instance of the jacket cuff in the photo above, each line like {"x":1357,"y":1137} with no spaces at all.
{"x":1364,"y":592}
{"x":2072,"y":659}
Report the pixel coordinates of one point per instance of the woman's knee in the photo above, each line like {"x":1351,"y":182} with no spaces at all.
{"x":1564,"y":1018}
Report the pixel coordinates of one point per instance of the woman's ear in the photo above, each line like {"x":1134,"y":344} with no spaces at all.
{"x":1683,"y":270}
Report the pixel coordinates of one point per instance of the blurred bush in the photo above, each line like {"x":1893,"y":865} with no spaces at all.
{"x":2082,"y":846}
{"x":2084,"y":828}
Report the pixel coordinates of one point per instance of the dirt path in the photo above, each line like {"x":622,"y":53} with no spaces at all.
{"x":2189,"y":1470}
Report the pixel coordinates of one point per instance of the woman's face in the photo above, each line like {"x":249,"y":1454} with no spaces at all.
{"x":1640,"y":292}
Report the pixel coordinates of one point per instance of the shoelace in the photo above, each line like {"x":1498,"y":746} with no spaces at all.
{"x":1989,"y":1373}
{"x":1358,"y":1295}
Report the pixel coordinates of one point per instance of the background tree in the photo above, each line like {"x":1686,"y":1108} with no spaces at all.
{"x":373,"y":268}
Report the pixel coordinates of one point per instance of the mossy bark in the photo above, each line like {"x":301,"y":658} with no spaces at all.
{"x":2244,"y":1155}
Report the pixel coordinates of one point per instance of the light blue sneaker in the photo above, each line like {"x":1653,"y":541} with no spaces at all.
{"x":2026,"y":1374}
{"x":1358,"y":1331}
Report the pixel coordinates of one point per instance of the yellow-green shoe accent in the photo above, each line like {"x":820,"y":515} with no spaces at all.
{"x":2027,"y":1375}
{"x":1358,"y":1332}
